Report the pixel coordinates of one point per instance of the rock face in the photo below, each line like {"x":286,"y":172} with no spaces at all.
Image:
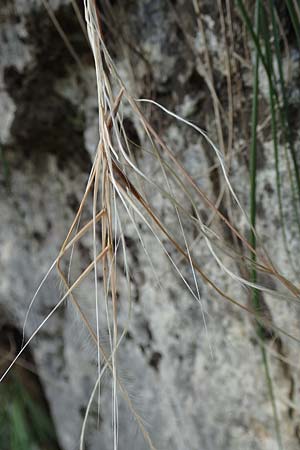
{"x":195,"y":389}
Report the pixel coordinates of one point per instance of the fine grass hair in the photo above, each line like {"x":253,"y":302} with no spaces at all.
{"x":117,"y":192}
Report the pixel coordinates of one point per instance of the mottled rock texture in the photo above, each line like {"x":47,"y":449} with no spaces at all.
{"x":195,"y":390}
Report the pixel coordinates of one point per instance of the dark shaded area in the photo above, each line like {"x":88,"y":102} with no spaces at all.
{"x":155,"y":360}
{"x":45,"y":121}
{"x":48,"y":46}
{"x":286,"y":23}
{"x":131,"y":134}
{"x":25,"y":420}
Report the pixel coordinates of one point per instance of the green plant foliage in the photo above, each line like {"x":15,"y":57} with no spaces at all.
{"x":266,"y":39}
{"x":24,"y":425}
